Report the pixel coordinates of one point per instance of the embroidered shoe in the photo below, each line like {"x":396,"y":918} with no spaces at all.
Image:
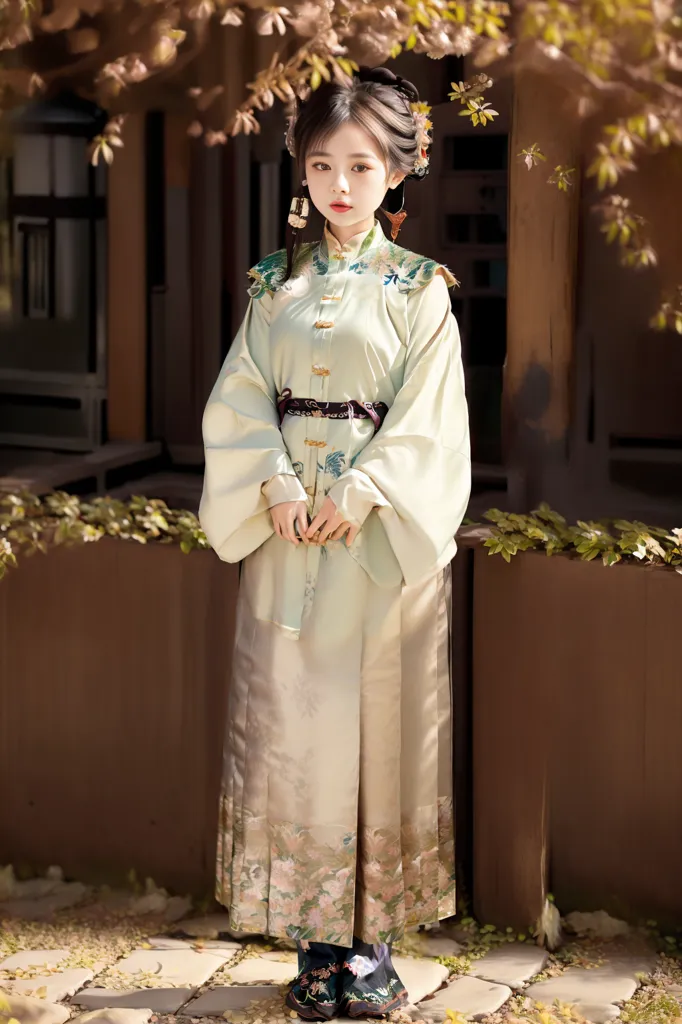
{"x":315,"y":991}
{"x":370,"y":986}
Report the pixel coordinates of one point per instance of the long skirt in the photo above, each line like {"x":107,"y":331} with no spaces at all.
{"x":336,"y":811}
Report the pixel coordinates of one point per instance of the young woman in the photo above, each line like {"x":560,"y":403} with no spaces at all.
{"x":338,"y":468}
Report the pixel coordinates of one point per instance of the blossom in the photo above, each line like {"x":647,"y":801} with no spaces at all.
{"x":232,"y":16}
{"x":271,"y":20}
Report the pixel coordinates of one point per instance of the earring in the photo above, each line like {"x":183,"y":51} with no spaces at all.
{"x":396,"y":219}
{"x":299,"y":210}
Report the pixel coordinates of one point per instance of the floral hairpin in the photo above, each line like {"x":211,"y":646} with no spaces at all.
{"x":420,"y":113}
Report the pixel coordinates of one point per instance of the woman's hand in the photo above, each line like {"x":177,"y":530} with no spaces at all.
{"x":331,"y":526}
{"x":285,"y":515}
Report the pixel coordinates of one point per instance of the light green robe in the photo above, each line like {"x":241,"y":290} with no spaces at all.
{"x":336,"y":809}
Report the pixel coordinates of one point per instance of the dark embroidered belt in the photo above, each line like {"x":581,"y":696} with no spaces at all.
{"x":375,"y":411}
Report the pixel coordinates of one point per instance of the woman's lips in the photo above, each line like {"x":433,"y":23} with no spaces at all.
{"x":340,"y":207}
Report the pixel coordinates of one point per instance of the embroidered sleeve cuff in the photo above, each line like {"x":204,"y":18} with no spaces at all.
{"x":355,"y":496}
{"x":283,"y":487}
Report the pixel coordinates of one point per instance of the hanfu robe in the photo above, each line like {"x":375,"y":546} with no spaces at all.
{"x":336,"y":810}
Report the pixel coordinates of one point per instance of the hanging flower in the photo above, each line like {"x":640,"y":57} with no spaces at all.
{"x":232,"y":16}
{"x":271,"y":20}
{"x":244,"y":121}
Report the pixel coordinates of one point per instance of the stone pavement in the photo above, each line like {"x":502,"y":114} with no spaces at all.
{"x":68,"y":952}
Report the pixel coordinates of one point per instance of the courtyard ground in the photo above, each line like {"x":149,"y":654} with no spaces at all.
{"x":69,"y":952}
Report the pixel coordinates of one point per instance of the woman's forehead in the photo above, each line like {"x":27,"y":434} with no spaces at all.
{"x":349,"y":140}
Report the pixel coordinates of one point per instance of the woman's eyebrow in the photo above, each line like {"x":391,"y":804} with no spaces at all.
{"x":354,"y":156}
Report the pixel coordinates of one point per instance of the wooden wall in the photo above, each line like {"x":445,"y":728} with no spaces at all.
{"x":115,"y":663}
{"x":567,"y":724}
{"x":577,"y":715}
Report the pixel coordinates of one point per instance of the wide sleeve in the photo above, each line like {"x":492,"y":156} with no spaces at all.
{"x":248,"y":468}
{"x":416,"y":472}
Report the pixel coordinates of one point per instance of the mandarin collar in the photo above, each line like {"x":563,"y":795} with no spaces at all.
{"x":356,"y":245}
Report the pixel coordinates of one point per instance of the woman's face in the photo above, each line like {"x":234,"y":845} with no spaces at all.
{"x":347,"y":179}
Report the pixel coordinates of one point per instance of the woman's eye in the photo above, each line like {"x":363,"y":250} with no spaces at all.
{"x":321,"y":167}
{"x":361,"y":167}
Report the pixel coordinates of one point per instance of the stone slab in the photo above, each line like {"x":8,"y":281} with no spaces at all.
{"x":212,"y":926}
{"x":257,"y":970}
{"x":34,"y":888}
{"x":283,"y":956}
{"x":439,"y":945}
{"x":230,"y":946}
{"x":187,"y":967}
{"x":512,"y":964}
{"x":67,"y":895}
{"x":471,"y":997}
{"x":166,"y":942}
{"x":599,"y":925}
{"x":177,"y":908}
{"x":57,"y":986}
{"x":28,"y":958}
{"x":158,"y":1000}
{"x":420,"y":977}
{"x":113,"y":1015}
{"x":229,"y":997}
{"x":33,"y":1011}
{"x":432,"y":944}
{"x":598,"y":986}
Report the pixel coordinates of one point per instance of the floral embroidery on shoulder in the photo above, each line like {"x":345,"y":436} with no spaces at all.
{"x":267,"y":275}
{"x":407,"y":270}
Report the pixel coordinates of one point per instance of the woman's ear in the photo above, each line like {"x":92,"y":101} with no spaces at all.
{"x":396,"y":178}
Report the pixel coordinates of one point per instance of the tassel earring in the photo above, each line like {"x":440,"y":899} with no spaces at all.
{"x":299,"y":210}
{"x":396,"y":219}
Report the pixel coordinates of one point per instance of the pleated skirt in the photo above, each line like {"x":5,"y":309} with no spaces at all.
{"x":336,"y":807}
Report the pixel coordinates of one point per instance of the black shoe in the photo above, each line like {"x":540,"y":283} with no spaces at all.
{"x":376,"y":992}
{"x":315,"y":991}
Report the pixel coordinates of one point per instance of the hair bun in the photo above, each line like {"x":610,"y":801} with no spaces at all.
{"x":384,"y":76}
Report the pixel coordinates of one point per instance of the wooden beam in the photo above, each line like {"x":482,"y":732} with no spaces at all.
{"x":127,"y":288}
{"x":238,"y":68}
{"x":180,"y":424}
{"x":541,"y":288}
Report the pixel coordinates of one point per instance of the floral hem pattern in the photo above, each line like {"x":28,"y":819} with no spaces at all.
{"x":284,"y":880}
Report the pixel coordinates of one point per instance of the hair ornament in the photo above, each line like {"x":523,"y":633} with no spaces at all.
{"x":423,"y":125}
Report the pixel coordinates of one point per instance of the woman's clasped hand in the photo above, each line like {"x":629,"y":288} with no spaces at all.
{"x":290,"y":520}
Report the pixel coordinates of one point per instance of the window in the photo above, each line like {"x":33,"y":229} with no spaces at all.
{"x":475,"y":229}
{"x":487,"y":331}
{"x":37,"y":272}
{"x":5,"y":241}
{"x":485,"y":152}
{"x":490,"y":274}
